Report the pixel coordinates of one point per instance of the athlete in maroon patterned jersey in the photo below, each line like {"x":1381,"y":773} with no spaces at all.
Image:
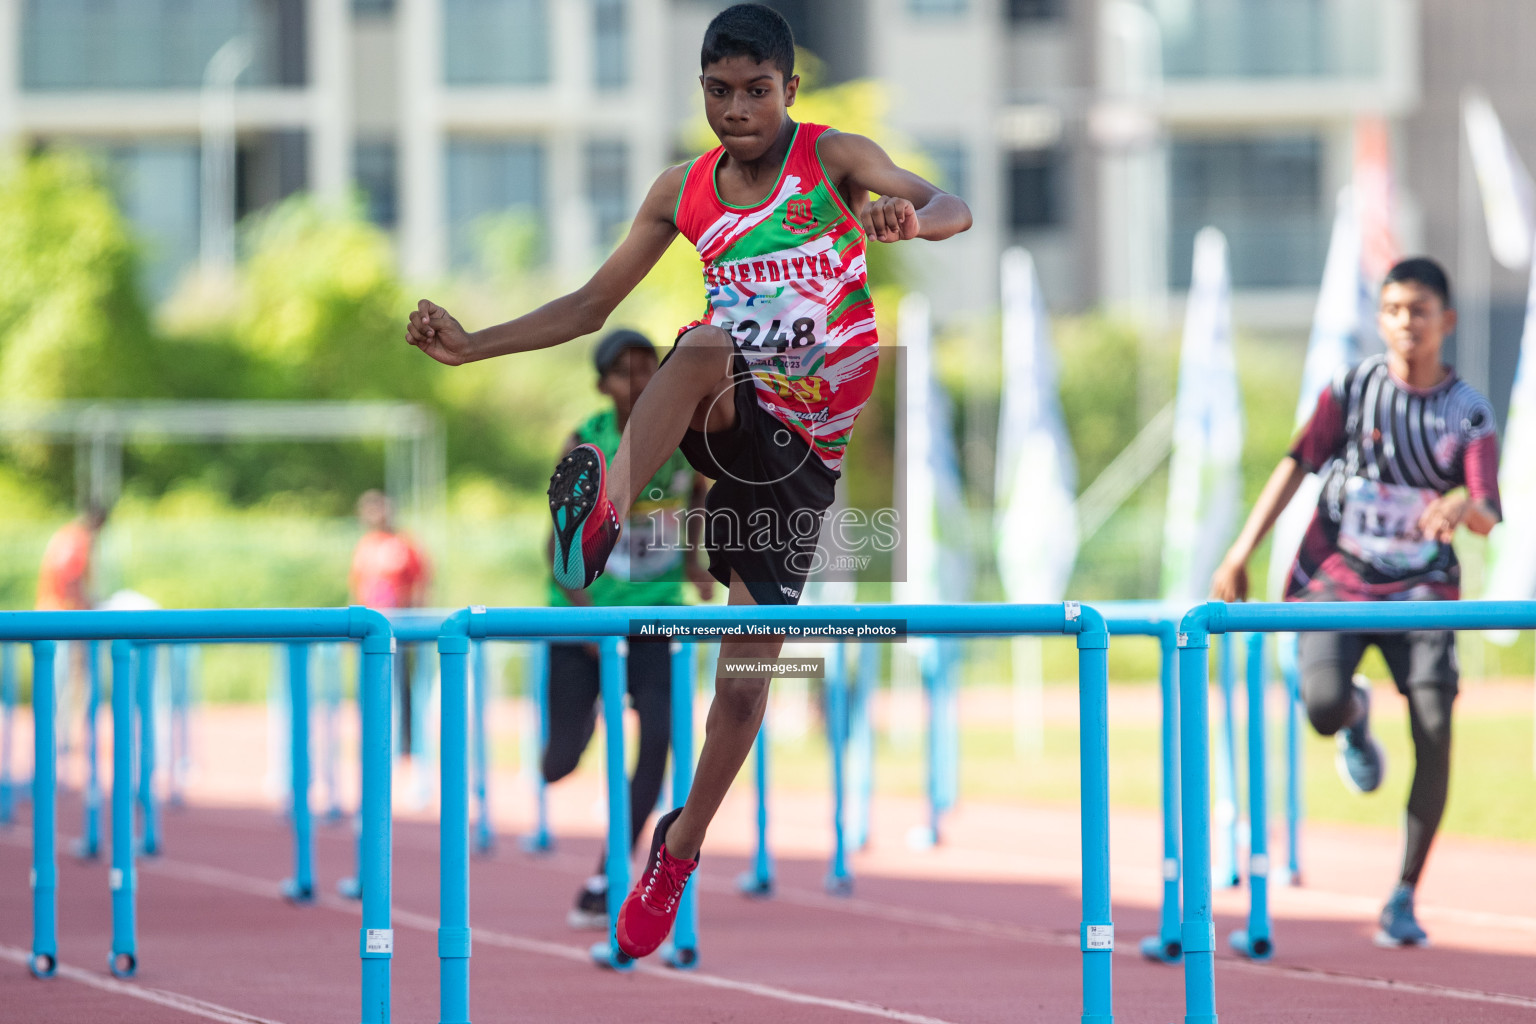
{"x":1408,"y":453}
{"x":764,"y":409}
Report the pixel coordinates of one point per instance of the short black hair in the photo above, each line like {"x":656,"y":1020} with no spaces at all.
{"x":750,"y":30}
{"x":606,"y":356}
{"x":1425,"y":271}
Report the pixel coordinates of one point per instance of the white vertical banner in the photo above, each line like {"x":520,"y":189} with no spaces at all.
{"x":1508,"y":194}
{"x":1206,"y":482}
{"x":1337,"y":341}
{"x":1513,"y":548}
{"x":1035,"y":524}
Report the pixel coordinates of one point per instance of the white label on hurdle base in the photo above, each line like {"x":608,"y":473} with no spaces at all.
{"x":115,"y":879}
{"x":381,"y":940}
{"x":1183,"y":639}
{"x":1170,"y":869}
{"x":1101,"y":936}
{"x":1258,"y":866}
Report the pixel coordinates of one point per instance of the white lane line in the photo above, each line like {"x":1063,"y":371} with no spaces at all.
{"x":159,"y":996}
{"x":1417,"y":988}
{"x":221,"y":878}
{"x":864,"y":908}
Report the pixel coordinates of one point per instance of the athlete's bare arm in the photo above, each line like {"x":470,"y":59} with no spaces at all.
{"x":908,"y":207}
{"x":433,"y":330}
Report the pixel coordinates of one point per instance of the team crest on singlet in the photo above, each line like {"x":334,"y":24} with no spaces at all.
{"x":800,"y":215}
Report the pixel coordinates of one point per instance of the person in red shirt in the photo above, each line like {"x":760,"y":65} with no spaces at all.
{"x":64,"y":578}
{"x":389,"y":571}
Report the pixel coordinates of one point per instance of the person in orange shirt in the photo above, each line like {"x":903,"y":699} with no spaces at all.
{"x":389,"y":571}
{"x":64,"y":578}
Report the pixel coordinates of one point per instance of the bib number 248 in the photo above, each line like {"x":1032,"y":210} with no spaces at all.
{"x":773,"y":335}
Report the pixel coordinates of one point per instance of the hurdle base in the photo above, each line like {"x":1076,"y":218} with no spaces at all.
{"x":43,"y":965}
{"x":148,"y":849}
{"x":83,"y":850}
{"x":684,"y":958}
{"x":749,"y":884}
{"x":537,"y":845}
{"x":349,"y":888}
{"x":1254,"y":947}
{"x":485,"y":845}
{"x":606,"y":954}
{"x":922,"y":837}
{"x":122,"y":965}
{"x":293,"y":892}
{"x":1161,"y":950}
{"x":839,"y":885}
{"x":1289,"y":878}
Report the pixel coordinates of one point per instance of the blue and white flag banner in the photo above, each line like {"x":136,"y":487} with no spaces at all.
{"x":1509,"y":196}
{"x":1343,"y":333}
{"x":1035,"y":522}
{"x":1205,"y":483}
{"x":1512,"y":576}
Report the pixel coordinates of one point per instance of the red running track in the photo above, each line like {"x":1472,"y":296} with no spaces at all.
{"x":983,"y":930}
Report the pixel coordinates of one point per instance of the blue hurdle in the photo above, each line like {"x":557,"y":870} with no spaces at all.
{"x":1096,"y":930}
{"x":537,"y":686}
{"x":1290,"y":674}
{"x":88,"y":846}
{"x":757,"y":881}
{"x":8,"y":687}
{"x":41,"y":629}
{"x":1216,"y":618}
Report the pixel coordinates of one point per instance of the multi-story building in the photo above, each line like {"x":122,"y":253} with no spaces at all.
{"x":1102,"y":134}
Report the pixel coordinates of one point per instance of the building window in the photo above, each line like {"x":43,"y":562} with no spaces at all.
{"x":1265,"y":194}
{"x":948,"y":158}
{"x":1025,"y":11}
{"x":495,"y":203}
{"x":496,"y":42}
{"x":1036,"y":187}
{"x":936,"y":6}
{"x":377,"y":176}
{"x":157,"y":184}
{"x":610,"y":44}
{"x":607,"y":188}
{"x":156,"y":44}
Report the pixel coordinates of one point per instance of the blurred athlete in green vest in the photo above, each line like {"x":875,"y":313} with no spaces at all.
{"x":650,"y":566}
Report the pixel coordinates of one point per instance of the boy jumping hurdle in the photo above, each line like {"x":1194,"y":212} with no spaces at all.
{"x":761,"y":394}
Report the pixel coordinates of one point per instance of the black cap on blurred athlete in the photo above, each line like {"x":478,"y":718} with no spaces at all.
{"x":615,"y":344}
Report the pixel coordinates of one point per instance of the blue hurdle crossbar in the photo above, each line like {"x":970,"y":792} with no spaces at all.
{"x":1217,"y":618}
{"x":1096,"y":930}
{"x":376,"y":937}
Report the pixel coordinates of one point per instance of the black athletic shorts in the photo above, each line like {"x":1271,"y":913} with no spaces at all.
{"x":1417,"y":658}
{"x":771,"y":493}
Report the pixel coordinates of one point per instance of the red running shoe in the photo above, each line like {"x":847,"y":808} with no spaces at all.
{"x":651,"y":907}
{"x":586,"y":523}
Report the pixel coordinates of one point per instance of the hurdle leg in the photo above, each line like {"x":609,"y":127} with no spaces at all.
{"x":88,"y":847}
{"x":683,"y":949}
{"x":301,"y":887}
{"x":1254,"y":941}
{"x":1097,"y":935}
{"x":485,"y":837}
{"x":541,"y":841}
{"x":7,"y":718}
{"x":352,"y":888}
{"x":330,"y":740}
{"x":1290,"y":678}
{"x":144,"y":675}
{"x":839,"y":879}
{"x":453,"y":933}
{"x":1198,"y":933}
{"x":123,"y":960}
{"x":758,"y":882}
{"x":614,"y":652}
{"x":45,"y":863}
{"x":1226,"y":769}
{"x":861,"y":748}
{"x":177,"y":763}
{"x":1165,"y":945}
{"x":377,"y":937}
